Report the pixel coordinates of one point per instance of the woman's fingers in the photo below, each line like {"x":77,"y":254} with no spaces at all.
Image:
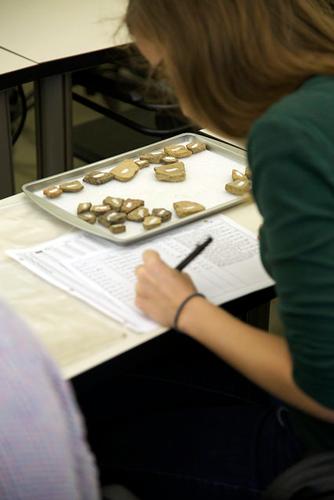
{"x":143,"y":273}
{"x":153,"y":269}
{"x":150,"y":259}
{"x":150,"y":256}
{"x":154,"y":273}
{"x":156,"y":268}
{"x":140,"y":271}
{"x":147,"y":274}
{"x":160,"y":289}
{"x":144,"y":289}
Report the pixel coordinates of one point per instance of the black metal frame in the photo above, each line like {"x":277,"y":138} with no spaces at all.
{"x":114,"y":115}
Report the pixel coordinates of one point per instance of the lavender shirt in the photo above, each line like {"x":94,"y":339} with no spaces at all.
{"x":43,"y":452}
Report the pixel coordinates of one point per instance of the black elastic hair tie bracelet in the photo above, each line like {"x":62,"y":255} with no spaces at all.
{"x":181,"y":306}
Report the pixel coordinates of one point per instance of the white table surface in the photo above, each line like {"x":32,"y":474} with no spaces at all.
{"x":78,"y":336}
{"x":43,"y":30}
{"x":12,"y":62}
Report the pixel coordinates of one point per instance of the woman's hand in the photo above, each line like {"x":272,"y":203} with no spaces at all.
{"x":161,"y":289}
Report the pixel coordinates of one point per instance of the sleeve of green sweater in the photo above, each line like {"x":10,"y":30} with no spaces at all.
{"x":292,"y":162}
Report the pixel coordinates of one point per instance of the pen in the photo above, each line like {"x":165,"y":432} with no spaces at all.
{"x":193,"y":254}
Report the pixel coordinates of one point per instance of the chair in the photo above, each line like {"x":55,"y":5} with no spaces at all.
{"x":310,"y":479}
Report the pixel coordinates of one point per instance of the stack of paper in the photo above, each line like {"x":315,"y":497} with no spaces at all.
{"x":103,"y":274}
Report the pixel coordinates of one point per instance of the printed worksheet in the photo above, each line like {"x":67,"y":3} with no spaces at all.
{"x":103,"y":274}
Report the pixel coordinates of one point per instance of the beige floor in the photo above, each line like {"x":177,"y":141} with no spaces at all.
{"x":24,"y":158}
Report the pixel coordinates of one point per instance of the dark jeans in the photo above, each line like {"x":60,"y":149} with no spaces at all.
{"x":188,"y":426}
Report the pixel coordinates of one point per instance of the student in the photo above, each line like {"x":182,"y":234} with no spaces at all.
{"x":43,"y":451}
{"x":261,"y":69}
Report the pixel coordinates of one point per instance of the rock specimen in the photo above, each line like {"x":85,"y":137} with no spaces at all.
{"x":175,"y":172}
{"x":196,"y":147}
{"x":52,"y":192}
{"x":117,"y":228}
{"x":165,"y":215}
{"x":238,"y":187}
{"x":97,"y":177}
{"x":185,"y":208}
{"x":88,"y":217}
{"x":238,"y":176}
{"x":125,"y":171}
{"x":154,"y":157}
{"x":178,"y":151}
{"x":100,"y":209}
{"x":131,"y":204}
{"x":142,"y":163}
{"x":71,"y":187}
{"x":151,"y":222}
{"x":115,"y":203}
{"x":248,"y":173}
{"x":83,"y":207}
{"x":138,"y":215}
{"x":168,"y":159}
{"x":111,"y":217}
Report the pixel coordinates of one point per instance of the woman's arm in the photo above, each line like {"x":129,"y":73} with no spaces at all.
{"x":262,"y":357}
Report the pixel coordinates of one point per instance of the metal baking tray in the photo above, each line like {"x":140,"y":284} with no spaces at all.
{"x":207,"y":173}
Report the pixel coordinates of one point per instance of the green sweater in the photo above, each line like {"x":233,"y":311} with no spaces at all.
{"x":291,"y":155}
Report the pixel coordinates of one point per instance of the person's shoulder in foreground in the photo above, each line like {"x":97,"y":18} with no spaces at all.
{"x":292,"y":145}
{"x":291,"y":151}
{"x":308,"y":110}
{"x":43,"y":452}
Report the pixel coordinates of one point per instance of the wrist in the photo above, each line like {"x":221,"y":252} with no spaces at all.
{"x":190,"y":314}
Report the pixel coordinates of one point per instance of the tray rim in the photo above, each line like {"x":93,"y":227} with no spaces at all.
{"x":230,"y":151}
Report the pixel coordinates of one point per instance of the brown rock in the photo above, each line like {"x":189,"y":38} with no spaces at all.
{"x":178,"y":150}
{"x":185,"y":208}
{"x":96,"y":177}
{"x":83,"y":207}
{"x":169,"y":159}
{"x":125,"y":171}
{"x":151,"y":222}
{"x":175,"y":172}
{"x":71,"y":187}
{"x":52,"y":192}
{"x":88,"y":217}
{"x":165,"y":215}
{"x":111,"y":217}
{"x":131,"y":204}
{"x":248,"y":173}
{"x":100,"y":209}
{"x":153,"y":157}
{"x":196,"y":147}
{"x":238,"y":176}
{"x":117,"y":228}
{"x":238,"y":187}
{"x":138,"y":215}
{"x":142,"y":163}
{"x":115,"y":203}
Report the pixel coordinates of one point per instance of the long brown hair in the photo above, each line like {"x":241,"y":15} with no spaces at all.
{"x":230,"y":60}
